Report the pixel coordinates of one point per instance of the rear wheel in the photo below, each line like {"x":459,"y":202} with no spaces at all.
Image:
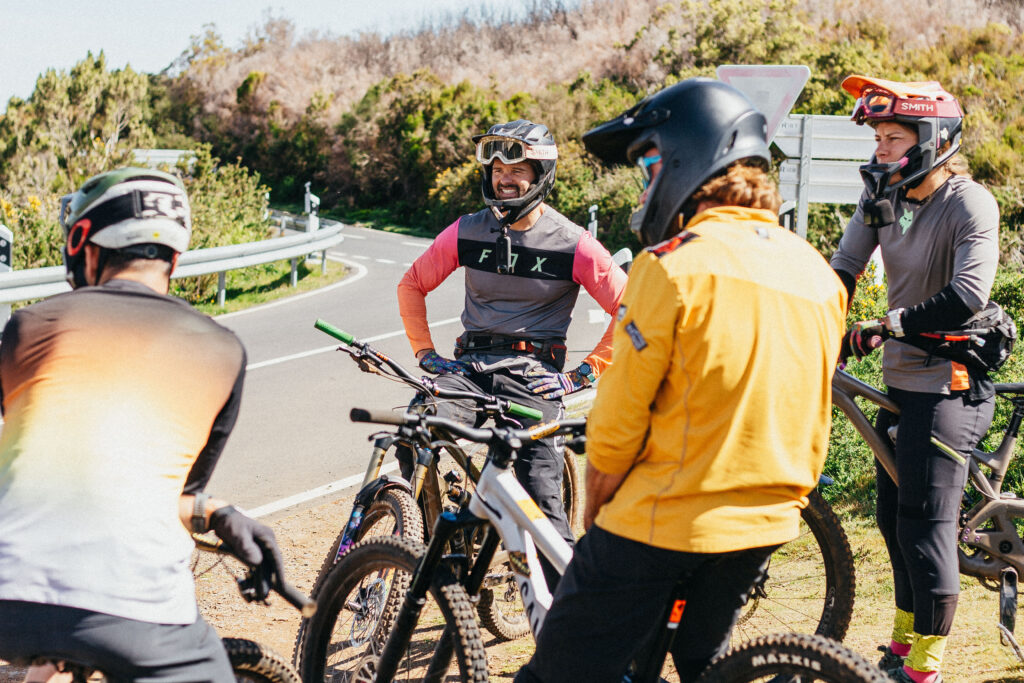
{"x":809,"y":584}
{"x":356,"y":610}
{"x":254,"y":663}
{"x":791,"y":658}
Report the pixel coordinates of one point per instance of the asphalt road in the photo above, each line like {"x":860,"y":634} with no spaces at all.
{"x":293,"y":439}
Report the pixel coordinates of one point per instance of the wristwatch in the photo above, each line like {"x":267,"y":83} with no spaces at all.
{"x":894,"y":321}
{"x":587,"y":372}
{"x":199,"y":524}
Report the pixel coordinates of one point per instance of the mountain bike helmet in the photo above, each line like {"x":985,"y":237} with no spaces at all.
{"x":700,"y":127}
{"x":512,"y":142}
{"x":135,"y":210}
{"x":924,"y":106}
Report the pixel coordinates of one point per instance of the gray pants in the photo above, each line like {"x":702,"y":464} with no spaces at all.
{"x":124,"y":649}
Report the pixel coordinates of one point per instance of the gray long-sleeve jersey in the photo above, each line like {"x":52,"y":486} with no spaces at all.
{"x":952,"y":237}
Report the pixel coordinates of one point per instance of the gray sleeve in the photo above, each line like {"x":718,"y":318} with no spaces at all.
{"x":976,"y":248}
{"x":856,"y":245}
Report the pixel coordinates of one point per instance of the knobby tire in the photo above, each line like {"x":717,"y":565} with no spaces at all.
{"x":357,"y":606}
{"x":254,"y":663}
{"x":810,"y":585}
{"x":392,"y":512}
{"x":786,"y":657}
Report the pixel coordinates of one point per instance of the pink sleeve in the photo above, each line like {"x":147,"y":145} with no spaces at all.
{"x":594,"y":269}
{"x":427,"y":272}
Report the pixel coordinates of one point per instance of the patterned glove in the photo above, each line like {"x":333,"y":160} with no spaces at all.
{"x":863,"y":338}
{"x":439,"y":365}
{"x":556,"y":384}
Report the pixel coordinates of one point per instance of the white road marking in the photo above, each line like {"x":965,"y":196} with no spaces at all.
{"x":298,"y":498}
{"x":384,"y":260}
{"x":361,"y":257}
{"x":418,"y":245}
{"x":333,"y":347}
{"x":598,"y":316}
{"x":360,"y":273}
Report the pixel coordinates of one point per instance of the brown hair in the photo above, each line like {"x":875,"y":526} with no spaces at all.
{"x":742,"y":184}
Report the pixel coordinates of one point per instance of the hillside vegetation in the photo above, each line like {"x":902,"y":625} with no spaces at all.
{"x":382,"y":125}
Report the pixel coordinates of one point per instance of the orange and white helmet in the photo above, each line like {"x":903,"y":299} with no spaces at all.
{"x":934,"y":114}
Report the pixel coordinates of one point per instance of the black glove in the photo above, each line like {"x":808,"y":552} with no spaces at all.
{"x":254,"y":544}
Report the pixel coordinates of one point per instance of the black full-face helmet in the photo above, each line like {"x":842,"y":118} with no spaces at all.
{"x":926,"y":108}
{"x":512,"y":142}
{"x":700,"y":127}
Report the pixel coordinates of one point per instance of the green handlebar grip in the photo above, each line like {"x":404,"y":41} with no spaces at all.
{"x":330,"y":329}
{"x":523,"y":411}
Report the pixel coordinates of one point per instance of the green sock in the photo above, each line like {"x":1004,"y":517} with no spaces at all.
{"x":903,"y":627}
{"x":926,"y":653}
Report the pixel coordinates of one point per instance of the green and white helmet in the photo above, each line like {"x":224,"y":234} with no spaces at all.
{"x":136,"y":210}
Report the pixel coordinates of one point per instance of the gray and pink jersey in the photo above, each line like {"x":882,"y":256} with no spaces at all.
{"x":551,"y":260}
{"x":951,"y":238}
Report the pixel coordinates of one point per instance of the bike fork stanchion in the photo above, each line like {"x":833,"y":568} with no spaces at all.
{"x":1008,"y":610}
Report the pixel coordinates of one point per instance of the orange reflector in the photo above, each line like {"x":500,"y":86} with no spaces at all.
{"x":677,"y":613}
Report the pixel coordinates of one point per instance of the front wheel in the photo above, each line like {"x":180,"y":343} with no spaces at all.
{"x":253,"y":663}
{"x":791,"y":657}
{"x":809,"y":584}
{"x":392,"y":513}
{"x":356,"y":611}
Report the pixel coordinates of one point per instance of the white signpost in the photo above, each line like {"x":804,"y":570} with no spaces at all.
{"x":773,"y":88}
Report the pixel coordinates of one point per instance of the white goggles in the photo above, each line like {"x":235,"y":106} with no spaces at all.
{"x":511,"y":151}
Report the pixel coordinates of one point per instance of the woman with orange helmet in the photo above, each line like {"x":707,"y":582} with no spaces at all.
{"x":938,"y":234}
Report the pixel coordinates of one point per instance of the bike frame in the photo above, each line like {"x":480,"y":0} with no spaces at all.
{"x":999,"y":547}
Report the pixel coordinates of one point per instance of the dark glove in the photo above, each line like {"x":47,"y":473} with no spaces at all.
{"x":439,"y":365}
{"x":556,"y":384}
{"x":253,"y":542}
{"x":863,"y":338}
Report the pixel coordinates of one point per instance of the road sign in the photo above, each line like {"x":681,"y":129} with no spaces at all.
{"x":773,"y":88}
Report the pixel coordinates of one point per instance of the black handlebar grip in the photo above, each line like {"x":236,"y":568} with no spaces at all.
{"x":386,"y":418}
{"x":296,"y":598}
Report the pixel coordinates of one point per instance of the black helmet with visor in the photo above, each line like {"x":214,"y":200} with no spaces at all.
{"x":511,"y":143}
{"x":700,"y":127}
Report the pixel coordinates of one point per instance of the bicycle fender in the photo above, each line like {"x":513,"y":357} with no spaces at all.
{"x":368,"y":493}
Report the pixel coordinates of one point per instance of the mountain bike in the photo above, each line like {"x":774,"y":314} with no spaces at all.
{"x":392,"y":609}
{"x":250,"y":661}
{"x":390,"y":505}
{"x":990,"y":549}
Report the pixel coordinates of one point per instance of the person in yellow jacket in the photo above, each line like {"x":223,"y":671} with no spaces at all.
{"x":711,"y":424}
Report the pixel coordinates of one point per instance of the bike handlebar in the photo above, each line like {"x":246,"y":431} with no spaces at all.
{"x":504,"y":405}
{"x":290,"y":593}
{"x":572,"y":425}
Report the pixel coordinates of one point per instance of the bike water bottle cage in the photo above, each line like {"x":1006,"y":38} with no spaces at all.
{"x":511,"y":151}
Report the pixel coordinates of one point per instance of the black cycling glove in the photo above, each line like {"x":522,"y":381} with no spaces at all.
{"x":252,"y":541}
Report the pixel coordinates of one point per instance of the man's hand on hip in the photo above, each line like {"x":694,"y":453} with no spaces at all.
{"x":556,"y":384}
{"x":439,"y":365}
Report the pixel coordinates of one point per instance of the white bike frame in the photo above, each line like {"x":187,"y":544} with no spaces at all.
{"x":502,"y":500}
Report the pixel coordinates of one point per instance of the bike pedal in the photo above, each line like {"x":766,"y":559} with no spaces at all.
{"x":1008,"y":598}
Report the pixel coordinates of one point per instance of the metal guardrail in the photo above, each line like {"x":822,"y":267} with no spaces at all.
{"x":38,"y":283}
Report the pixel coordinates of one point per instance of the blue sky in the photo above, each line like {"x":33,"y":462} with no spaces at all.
{"x":36,"y":35}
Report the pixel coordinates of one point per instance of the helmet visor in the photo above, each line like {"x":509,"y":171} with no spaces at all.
{"x":511,"y":151}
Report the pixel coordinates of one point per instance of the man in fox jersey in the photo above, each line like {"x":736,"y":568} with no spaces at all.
{"x":524,"y":264}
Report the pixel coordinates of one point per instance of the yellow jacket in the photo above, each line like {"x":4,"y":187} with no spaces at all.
{"x":718,"y":398}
